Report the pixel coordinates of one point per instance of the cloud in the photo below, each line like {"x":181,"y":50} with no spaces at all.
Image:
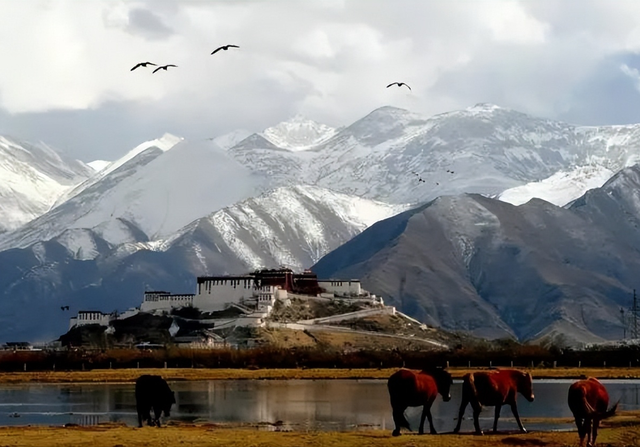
{"x":148,"y":24}
{"x":70,"y":82}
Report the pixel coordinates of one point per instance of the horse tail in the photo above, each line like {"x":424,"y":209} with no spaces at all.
{"x":611,"y":411}
{"x":592,"y":412}
{"x":586,"y":406}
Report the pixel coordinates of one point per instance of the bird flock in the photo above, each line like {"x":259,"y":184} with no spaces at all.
{"x":165,"y":67}
{"x":226,"y":48}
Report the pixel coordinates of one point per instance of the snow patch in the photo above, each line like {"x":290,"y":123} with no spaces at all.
{"x":298,"y":134}
{"x":98,"y":165}
{"x":560,"y":188}
{"x":80,"y":243}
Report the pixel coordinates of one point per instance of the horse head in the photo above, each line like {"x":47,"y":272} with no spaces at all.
{"x":525,"y":385}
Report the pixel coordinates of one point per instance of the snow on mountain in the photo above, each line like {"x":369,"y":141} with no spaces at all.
{"x":232,"y":138}
{"x":298,"y":134}
{"x":163,"y":184}
{"x":483,"y":149}
{"x":291,"y":226}
{"x":561,"y":188}
{"x":81,"y":243}
{"x":309,"y":215}
{"x":164,"y":143}
{"x":151,"y":193}
{"x":99,"y":165}
{"x":33,"y":177}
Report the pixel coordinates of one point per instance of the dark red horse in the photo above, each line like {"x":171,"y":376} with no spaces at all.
{"x":588,"y":401}
{"x":494,"y":388}
{"x":411,"y":389}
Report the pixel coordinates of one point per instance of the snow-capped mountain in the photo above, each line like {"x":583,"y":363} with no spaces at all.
{"x":484,"y":149}
{"x":78,"y":268}
{"x":292,"y":226}
{"x":33,"y":177}
{"x":298,"y":134}
{"x":151,"y":192}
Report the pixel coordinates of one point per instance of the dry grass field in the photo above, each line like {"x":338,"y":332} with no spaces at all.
{"x":618,"y":434}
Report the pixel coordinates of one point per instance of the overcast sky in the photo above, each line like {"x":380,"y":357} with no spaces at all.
{"x":65,"y":65}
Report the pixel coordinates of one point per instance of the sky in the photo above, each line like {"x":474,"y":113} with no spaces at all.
{"x":66,"y":78}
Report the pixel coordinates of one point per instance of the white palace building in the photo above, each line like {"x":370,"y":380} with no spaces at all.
{"x":255,"y":293}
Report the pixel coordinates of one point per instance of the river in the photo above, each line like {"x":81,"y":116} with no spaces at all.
{"x":300,"y":405}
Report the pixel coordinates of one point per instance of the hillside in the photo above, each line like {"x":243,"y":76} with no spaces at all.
{"x":481,"y":265}
{"x":288,"y":326}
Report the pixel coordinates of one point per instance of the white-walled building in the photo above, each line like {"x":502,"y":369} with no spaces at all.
{"x":161,"y":300}
{"x":214,"y":293}
{"x":256,"y":293}
{"x":341,"y":287}
{"x":85,"y":317}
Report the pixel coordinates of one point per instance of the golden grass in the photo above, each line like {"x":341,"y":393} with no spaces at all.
{"x":130,"y":375}
{"x":210,"y":435}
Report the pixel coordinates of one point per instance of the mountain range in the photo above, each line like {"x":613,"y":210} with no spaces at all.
{"x":172,"y":209}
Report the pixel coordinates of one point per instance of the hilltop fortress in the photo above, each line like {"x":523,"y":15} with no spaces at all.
{"x":254,"y":294}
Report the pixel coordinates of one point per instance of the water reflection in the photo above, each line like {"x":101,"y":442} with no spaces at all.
{"x":279,"y":404}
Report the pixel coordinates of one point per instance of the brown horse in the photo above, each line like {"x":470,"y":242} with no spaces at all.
{"x":411,"y":389}
{"x":588,"y":401}
{"x":494,"y":388}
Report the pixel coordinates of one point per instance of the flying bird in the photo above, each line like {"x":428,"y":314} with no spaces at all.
{"x":142,"y":64}
{"x":225,"y":48}
{"x":164,"y":67}
{"x":399,"y":84}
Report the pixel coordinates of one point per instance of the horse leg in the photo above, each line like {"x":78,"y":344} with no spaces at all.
{"x":495,"y":419}
{"x":399,"y":419}
{"x":596,"y":423}
{"x":426,"y":412}
{"x":581,"y":432}
{"x":514,"y":410}
{"x":463,"y":406}
{"x":144,"y":414}
{"x":476,"y":413}
{"x":157,"y":412}
{"x":587,"y":430}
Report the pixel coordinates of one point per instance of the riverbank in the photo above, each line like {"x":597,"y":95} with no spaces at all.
{"x":109,"y":435}
{"x":178,"y":374}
